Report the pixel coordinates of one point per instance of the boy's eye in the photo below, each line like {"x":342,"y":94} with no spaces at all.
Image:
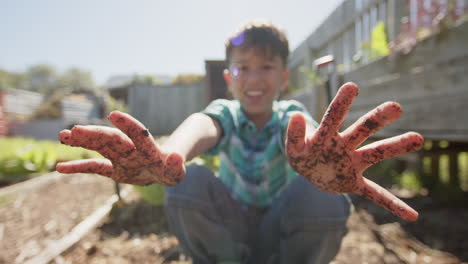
{"x":238,"y":71}
{"x":268,"y":67}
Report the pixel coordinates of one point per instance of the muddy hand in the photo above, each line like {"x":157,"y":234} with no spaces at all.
{"x":132,"y":155}
{"x":330,"y":160}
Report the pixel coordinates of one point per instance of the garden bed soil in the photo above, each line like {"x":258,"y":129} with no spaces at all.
{"x":136,"y":232}
{"x":44,"y":209}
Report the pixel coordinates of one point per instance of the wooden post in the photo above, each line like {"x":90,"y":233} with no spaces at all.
{"x":435,"y":156}
{"x":453,"y":164}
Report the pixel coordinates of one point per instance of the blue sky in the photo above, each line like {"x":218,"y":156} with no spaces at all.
{"x":116,"y":37}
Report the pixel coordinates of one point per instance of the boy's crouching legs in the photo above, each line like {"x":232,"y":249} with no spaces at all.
{"x":310,"y":224}
{"x":207,"y":221}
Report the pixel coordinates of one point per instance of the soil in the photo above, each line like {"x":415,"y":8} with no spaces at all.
{"x":136,"y":232}
{"x":44,"y":209}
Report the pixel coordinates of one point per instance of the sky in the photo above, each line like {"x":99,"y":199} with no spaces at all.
{"x":157,"y":37}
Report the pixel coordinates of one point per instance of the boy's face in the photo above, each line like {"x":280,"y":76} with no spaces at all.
{"x":256,"y":80}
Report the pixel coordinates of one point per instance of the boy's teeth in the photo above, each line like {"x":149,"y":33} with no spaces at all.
{"x":254,"y":93}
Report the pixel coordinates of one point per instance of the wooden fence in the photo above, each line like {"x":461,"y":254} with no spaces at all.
{"x":162,"y":108}
{"x":343,"y":34}
{"x":431,"y":84}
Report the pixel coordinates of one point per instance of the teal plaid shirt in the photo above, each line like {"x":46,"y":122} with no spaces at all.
{"x":253,"y":164}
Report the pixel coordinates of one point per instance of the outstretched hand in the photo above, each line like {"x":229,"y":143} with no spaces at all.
{"x":330,"y":160}
{"x":132,"y":154}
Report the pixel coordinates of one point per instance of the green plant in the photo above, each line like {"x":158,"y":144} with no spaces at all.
{"x":387,"y":173}
{"x":22,"y":156}
{"x":378,"y":45}
{"x":187,"y":78}
{"x":209,"y":161}
{"x":153,"y":194}
{"x":410,"y":180}
{"x":312,"y":76}
{"x":113,"y":104}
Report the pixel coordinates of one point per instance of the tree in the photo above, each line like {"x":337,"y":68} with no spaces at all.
{"x":10,"y":80}
{"x":5,"y":81}
{"x":45,"y":79}
{"x":41,"y":78}
{"x":187,"y":78}
{"x":75,"y":79}
{"x":146,"y":79}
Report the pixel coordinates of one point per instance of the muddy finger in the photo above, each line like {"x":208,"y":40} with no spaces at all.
{"x":337,"y":110}
{"x":137,"y":132}
{"x":388,"y":148}
{"x":370,"y":123}
{"x":97,"y":137}
{"x":295,"y":139}
{"x":98,"y":166}
{"x":79,"y":138}
{"x":174,"y":169}
{"x":387,"y":200}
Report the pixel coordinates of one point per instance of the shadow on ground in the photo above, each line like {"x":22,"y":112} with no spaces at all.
{"x":138,"y":218}
{"x":441,"y":225}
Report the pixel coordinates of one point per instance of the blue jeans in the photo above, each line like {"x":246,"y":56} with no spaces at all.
{"x":303,"y":225}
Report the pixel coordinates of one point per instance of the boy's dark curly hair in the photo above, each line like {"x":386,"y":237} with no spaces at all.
{"x":264,"y":36}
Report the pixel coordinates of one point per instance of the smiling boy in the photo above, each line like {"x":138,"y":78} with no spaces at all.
{"x":258,"y":209}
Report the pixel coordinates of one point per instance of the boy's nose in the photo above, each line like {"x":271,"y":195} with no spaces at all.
{"x":254,"y":75}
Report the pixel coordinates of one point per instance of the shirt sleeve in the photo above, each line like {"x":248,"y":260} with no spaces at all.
{"x":219,"y":110}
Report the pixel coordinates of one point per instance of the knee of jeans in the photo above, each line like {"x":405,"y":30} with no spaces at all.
{"x":306,"y":201}
{"x":197,"y":178}
{"x":318,"y":220}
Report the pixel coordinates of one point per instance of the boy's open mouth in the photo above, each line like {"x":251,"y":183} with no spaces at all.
{"x":254,"y":97}
{"x":254,"y":93}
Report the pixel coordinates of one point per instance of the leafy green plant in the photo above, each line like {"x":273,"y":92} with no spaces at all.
{"x":410,"y":180}
{"x":209,"y":161}
{"x":153,"y":194}
{"x":378,"y":46}
{"x":388,"y":173}
{"x":21,"y":157}
{"x":313,"y":76}
{"x":113,"y":104}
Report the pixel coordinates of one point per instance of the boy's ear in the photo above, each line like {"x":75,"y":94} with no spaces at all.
{"x":227,"y":76}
